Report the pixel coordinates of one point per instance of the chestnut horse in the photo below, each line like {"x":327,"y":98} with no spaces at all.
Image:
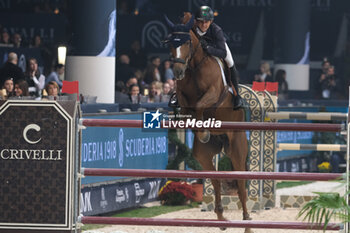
{"x":202,"y":93}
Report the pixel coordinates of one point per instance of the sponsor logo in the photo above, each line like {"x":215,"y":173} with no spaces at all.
{"x":120,"y":196}
{"x":30,"y":154}
{"x":121,"y":154}
{"x":85,"y":202}
{"x":153,"y":33}
{"x":153,"y":192}
{"x":138,"y":192}
{"x":103,"y":202}
{"x":31,"y":127}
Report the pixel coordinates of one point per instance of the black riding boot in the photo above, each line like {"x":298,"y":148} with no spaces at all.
{"x":237,"y":100}
{"x":173,"y":102}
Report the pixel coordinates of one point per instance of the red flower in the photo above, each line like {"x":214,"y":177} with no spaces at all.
{"x":176,"y":193}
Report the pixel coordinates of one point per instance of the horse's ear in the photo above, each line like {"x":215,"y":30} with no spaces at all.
{"x":190,"y":23}
{"x":170,"y":24}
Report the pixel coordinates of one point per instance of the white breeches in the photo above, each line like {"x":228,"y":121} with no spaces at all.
{"x":228,"y":58}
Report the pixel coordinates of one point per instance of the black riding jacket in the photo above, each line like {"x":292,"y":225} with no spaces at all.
{"x":214,"y":36}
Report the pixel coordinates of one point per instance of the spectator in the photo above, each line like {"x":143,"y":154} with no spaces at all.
{"x":5,"y":39}
{"x":120,"y":94}
{"x":137,"y":56}
{"x":131,"y":81}
{"x":9,"y":87}
{"x":325,"y":65}
{"x":52,"y":89}
{"x":36,"y":42}
{"x":55,"y":75}
{"x":134,"y":93}
{"x":155,"y":92}
{"x":166,"y":89}
{"x":328,"y":83}
{"x":265,"y":73}
{"x":166,"y":71}
{"x":280,"y":77}
{"x":151,"y":74}
{"x":17,"y":40}
{"x":321,"y":76}
{"x":171,"y":84}
{"x":124,"y":70}
{"x":10,"y":69}
{"x":35,"y":80}
{"x":155,"y":60}
{"x":21,"y":88}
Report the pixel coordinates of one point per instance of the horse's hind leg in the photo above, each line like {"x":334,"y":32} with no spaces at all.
{"x":203,"y":153}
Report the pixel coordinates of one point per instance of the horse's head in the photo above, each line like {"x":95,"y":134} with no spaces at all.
{"x":180,"y":46}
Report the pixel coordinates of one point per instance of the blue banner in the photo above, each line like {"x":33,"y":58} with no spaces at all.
{"x":123,"y":148}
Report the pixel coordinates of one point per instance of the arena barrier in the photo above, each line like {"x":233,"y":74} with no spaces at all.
{"x":206,"y":174}
{"x":319,"y":116}
{"x":206,"y":223}
{"x":316,"y":127}
{"x":239,"y":175}
{"x":314,"y":147}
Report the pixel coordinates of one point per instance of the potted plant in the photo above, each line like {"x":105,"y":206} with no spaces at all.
{"x":176,"y":193}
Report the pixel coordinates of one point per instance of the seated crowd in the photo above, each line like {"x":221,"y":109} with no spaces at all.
{"x":138,"y":82}
{"x":31,"y":84}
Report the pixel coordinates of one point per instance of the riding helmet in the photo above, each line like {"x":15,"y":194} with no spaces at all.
{"x":205,"y":13}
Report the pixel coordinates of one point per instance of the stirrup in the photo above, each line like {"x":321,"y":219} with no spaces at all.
{"x":237,"y":104}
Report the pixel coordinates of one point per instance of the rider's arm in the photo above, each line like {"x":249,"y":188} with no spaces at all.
{"x":219,"y":49}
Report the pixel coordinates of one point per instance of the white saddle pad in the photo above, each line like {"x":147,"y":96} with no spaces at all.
{"x":223,"y":73}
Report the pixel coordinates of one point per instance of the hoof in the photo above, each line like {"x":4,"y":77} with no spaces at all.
{"x":248,"y":230}
{"x":223,"y":228}
{"x":205,"y":138}
{"x":246,"y":217}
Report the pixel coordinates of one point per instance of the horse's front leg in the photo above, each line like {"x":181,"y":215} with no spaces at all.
{"x":203,"y":135}
{"x":204,"y":153}
{"x":207,"y":100}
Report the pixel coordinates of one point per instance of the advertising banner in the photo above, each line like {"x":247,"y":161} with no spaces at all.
{"x":37,"y":165}
{"x":113,"y":197}
{"x":123,"y":148}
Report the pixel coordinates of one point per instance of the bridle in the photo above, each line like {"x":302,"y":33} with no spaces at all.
{"x":190,"y":57}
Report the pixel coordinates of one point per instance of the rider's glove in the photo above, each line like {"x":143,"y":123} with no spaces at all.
{"x":204,"y":44}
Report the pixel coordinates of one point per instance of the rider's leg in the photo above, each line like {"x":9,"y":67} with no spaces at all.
{"x":237,"y":101}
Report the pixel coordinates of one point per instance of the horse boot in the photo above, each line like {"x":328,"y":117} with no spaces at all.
{"x":237,"y":100}
{"x":173,"y":102}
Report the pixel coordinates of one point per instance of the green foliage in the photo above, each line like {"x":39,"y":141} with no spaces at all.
{"x":324,"y":207}
{"x":289,"y":184}
{"x":183,"y":153}
{"x":225,"y":164}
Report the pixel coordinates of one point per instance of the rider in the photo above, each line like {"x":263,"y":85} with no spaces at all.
{"x":214,"y":43}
